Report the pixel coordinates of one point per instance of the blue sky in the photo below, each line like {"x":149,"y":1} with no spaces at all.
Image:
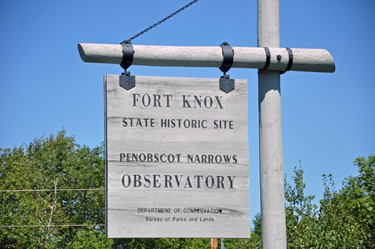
{"x":328,"y":120}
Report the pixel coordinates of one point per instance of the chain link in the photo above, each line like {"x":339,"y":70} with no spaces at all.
{"x":162,"y":20}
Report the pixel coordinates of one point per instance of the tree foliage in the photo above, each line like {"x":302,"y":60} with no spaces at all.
{"x":54,"y":162}
{"x":344,"y":218}
{"x":39,"y":219}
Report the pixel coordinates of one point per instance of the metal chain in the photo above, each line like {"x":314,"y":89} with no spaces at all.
{"x":162,"y":20}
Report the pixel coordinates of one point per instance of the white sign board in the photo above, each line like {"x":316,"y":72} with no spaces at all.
{"x":176,"y":159}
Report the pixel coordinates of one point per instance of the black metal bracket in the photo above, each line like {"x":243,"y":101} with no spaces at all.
{"x":290,"y":63}
{"x":268,"y":59}
{"x":225,"y":82}
{"x":126,"y":80}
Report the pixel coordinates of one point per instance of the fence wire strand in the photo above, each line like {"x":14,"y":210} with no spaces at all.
{"x":78,"y":225}
{"x":48,"y":190}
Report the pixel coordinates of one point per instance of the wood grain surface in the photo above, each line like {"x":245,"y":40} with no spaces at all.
{"x":176,"y":159}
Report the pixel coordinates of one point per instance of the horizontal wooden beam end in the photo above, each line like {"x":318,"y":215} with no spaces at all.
{"x":309,"y":60}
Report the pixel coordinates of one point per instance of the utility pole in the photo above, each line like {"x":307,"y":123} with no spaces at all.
{"x":270,"y":139}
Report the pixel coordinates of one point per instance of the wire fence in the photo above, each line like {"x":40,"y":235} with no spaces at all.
{"x":75,"y":225}
{"x":48,"y":190}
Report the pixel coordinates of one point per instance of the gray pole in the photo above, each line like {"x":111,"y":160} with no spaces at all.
{"x":270,"y":140}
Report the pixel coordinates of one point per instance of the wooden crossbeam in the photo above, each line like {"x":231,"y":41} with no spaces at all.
{"x":311,"y":60}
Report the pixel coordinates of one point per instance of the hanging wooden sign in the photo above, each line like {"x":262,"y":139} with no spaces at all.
{"x":176,"y":159}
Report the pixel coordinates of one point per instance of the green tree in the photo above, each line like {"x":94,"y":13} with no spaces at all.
{"x":254,"y":242}
{"x":300,"y":214}
{"x":56,"y":163}
{"x":357,"y":198}
{"x":344,"y":219}
{"x":53,"y":163}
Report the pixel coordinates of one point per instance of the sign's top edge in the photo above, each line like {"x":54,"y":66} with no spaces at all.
{"x":172,"y":77}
